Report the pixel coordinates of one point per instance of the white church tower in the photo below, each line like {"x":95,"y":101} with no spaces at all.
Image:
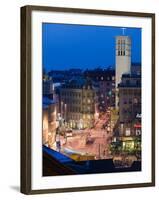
{"x":123,"y":60}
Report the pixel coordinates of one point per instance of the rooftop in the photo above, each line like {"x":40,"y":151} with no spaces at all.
{"x":80,"y":82}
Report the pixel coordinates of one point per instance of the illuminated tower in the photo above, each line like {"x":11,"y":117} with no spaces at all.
{"x":123,"y":60}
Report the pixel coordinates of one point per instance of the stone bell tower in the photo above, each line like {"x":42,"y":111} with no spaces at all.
{"x":123,"y":60}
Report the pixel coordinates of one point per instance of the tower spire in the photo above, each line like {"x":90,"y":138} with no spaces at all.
{"x":123,"y":30}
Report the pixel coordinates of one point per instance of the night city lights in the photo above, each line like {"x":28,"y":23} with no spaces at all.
{"x":91,"y":99}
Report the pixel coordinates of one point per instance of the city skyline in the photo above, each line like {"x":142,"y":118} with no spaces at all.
{"x":68,"y":46}
{"x":92,"y":114}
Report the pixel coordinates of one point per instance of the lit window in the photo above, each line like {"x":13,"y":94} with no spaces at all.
{"x":52,"y":86}
{"x":135,"y":100}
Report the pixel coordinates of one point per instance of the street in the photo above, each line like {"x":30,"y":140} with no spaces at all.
{"x":93,"y":141}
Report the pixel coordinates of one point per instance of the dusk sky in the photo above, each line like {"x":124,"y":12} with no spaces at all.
{"x":77,"y":46}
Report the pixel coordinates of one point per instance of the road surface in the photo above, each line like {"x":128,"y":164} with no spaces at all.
{"x":93,"y":141}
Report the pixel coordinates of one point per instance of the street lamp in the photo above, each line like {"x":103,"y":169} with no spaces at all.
{"x":57,"y":139}
{"x":65,"y":110}
{"x":61,"y":108}
{"x":122,"y":129}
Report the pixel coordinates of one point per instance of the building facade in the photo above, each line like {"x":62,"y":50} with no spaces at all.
{"x":78,"y":103}
{"x":49,"y":122}
{"x":130,"y":104}
{"x":50,"y":111}
{"x":106,"y":80}
{"x":136,"y":68}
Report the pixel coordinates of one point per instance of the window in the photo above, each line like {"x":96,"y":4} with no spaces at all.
{"x":125,"y":102}
{"x":135,"y":100}
{"x":102,"y":95}
{"x":127,"y":82}
{"x":138,"y":82}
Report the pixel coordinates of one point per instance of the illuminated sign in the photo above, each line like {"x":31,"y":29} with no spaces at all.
{"x":137,"y":125}
{"x":138,"y":115}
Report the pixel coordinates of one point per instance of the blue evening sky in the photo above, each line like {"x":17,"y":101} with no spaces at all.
{"x":78,"y":46}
